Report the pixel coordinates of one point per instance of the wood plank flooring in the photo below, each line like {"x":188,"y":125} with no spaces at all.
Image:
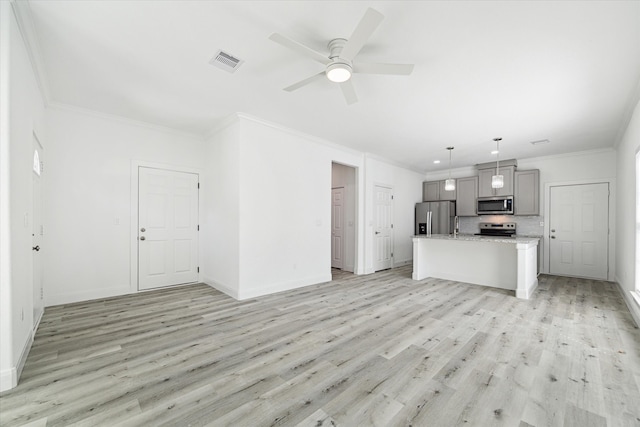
{"x":375,"y":350}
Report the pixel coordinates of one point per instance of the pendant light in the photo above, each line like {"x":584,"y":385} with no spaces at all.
{"x":497,"y":180}
{"x":450,"y":184}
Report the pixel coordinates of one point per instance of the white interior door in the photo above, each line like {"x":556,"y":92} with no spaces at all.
{"x":337,"y":227}
{"x":383,"y":227}
{"x":167,"y":228}
{"x":579,"y":230}
{"x":37,"y":232}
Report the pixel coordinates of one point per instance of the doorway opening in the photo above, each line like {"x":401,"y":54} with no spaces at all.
{"x":343,"y":218}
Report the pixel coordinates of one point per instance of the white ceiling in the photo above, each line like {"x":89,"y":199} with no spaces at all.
{"x":524,"y":71}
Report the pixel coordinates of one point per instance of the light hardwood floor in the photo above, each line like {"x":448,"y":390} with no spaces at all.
{"x":380,"y":350}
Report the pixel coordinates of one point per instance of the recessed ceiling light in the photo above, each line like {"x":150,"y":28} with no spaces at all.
{"x":436,"y":161}
{"x":495,"y":152}
{"x":542,"y":141}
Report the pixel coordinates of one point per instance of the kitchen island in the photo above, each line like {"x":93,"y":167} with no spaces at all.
{"x":500,"y":262}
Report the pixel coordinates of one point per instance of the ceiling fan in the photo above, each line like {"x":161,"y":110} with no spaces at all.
{"x":339,"y":63}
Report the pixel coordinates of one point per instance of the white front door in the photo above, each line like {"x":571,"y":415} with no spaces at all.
{"x":37,"y":232}
{"x":167,"y":228}
{"x":383,"y":227}
{"x":579,"y":230}
{"x":337,"y":227}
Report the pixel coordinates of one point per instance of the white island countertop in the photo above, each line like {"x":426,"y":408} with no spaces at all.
{"x":473,"y":237}
{"x":501,"y":262}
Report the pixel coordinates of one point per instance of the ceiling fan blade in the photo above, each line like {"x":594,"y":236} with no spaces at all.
{"x":349,"y":92}
{"x":371,"y":68}
{"x":365,"y":28}
{"x":300,"y":48}
{"x":303,"y":82}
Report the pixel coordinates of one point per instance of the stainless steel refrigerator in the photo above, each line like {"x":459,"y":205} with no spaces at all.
{"x":435,"y":217}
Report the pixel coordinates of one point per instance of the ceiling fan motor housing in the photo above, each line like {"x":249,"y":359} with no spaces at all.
{"x":338,"y":70}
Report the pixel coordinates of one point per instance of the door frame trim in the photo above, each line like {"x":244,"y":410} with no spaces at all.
{"x":133,"y":233}
{"x":611,"y":214}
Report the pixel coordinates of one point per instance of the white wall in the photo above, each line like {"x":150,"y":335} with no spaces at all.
{"x":626,"y":211}
{"x":88,"y":205}
{"x":278,"y":206}
{"x":23,"y":118}
{"x":345,"y":177}
{"x":407,"y":191}
{"x":220,"y":228}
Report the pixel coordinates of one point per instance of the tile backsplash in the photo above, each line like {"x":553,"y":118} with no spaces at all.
{"x":526,"y":225}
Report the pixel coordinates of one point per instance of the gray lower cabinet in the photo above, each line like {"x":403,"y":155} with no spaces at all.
{"x":433,"y":191}
{"x":484,"y":183}
{"x":467,"y":193}
{"x":526,"y":195}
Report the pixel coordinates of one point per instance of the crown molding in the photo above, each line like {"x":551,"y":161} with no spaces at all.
{"x":569,"y":154}
{"x":390,"y":162}
{"x":24,"y":18}
{"x":628,"y":114}
{"x":299,"y":134}
{"x":121,"y":119}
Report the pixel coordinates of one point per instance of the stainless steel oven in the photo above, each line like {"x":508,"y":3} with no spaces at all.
{"x":495,"y":205}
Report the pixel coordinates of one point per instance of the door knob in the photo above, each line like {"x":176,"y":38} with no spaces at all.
{"x":553,"y":231}
{"x":553,"y":237}
{"x":143,"y":229}
{"x":36,"y":248}
{"x":142,"y":238}
{"x":377,"y":232}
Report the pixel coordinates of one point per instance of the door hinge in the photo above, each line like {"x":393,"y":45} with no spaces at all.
{"x":391,"y":225}
{"x":198,"y":227}
{"x":41,"y":293}
{"x":198,"y":269}
{"x":198,"y":185}
{"x":391,"y":254}
{"x":392,"y":197}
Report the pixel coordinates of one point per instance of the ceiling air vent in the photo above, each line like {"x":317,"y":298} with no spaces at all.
{"x":226,"y":61}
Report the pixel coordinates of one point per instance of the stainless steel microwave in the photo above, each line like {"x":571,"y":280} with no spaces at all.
{"x":495,"y":205}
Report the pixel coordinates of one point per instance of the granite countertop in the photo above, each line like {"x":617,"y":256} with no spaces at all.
{"x":473,"y":237}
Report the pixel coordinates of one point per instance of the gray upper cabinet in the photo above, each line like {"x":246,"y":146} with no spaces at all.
{"x":484,"y":182}
{"x":526,"y":197}
{"x":430,"y":191}
{"x":433,"y":191}
{"x":467,"y":189}
{"x":447,"y":195}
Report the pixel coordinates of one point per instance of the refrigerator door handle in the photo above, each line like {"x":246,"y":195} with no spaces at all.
{"x":429,"y":217}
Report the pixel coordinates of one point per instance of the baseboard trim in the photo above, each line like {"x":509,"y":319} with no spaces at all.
{"x":9,"y":377}
{"x":632,"y":305}
{"x":527,"y":293}
{"x":402,"y":263}
{"x":71,"y":297}
{"x":220,"y":287}
{"x":285,"y":286}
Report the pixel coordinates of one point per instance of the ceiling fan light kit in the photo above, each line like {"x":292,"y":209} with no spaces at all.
{"x":339,"y":63}
{"x":338,"y":72}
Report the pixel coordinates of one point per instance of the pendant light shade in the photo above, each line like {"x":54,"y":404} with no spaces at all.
{"x":497,"y":180}
{"x":450,"y":184}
